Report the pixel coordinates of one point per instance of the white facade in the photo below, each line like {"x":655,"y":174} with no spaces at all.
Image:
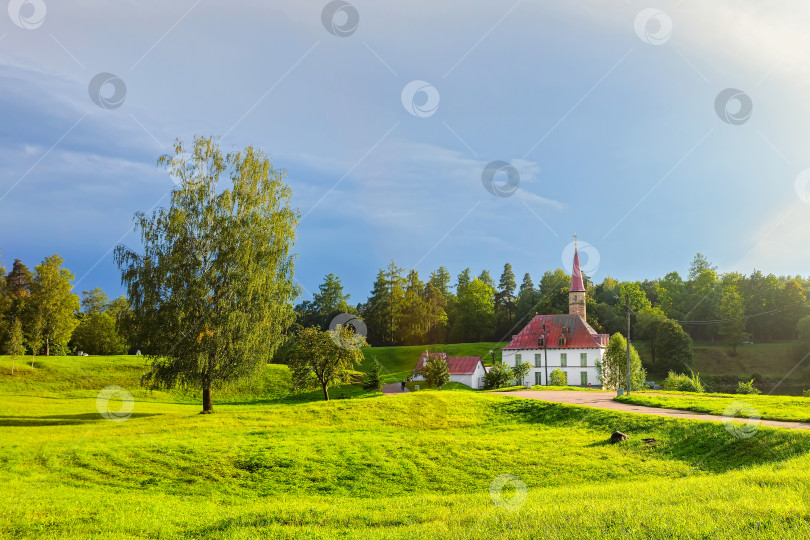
{"x":581,"y":371}
{"x":473,"y":380}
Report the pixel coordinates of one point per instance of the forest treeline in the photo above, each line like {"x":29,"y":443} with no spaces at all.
{"x":405,"y":309}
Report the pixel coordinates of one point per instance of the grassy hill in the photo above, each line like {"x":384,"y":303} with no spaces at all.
{"x":774,"y":366}
{"x":420,"y":465}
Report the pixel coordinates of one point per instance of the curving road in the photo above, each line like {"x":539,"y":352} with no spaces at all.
{"x":604,"y":400}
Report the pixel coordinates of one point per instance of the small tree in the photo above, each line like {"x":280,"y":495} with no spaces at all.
{"x":520,"y":371}
{"x":436,"y":372}
{"x":558,"y":378}
{"x":323,"y":358}
{"x":612,"y":369}
{"x":34,"y":338}
{"x":498,"y":376}
{"x":15,"y":346}
{"x":373,"y":380}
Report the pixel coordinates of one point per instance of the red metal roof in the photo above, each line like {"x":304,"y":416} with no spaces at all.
{"x":456,"y":365}
{"x":576,"y":275}
{"x":580,"y":335}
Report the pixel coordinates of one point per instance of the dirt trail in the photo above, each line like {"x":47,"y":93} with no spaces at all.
{"x":604,"y":400}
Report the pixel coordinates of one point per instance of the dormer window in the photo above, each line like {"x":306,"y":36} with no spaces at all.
{"x":561,"y":341}
{"x":541,"y":341}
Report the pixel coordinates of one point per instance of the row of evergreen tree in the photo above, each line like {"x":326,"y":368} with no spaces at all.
{"x":403,"y":309}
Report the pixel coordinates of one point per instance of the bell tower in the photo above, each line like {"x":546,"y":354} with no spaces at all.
{"x":576,"y":293}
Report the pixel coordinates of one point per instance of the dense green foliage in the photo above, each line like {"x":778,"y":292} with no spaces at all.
{"x":498,"y":376}
{"x":97,"y":334}
{"x":682,"y":383}
{"x":369,"y":468}
{"x":557,"y":378}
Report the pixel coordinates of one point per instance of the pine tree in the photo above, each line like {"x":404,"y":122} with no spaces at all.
{"x":373,"y":381}
{"x":486,"y":277}
{"x":382,"y":311}
{"x":526,"y":304}
{"x":413,"y":316}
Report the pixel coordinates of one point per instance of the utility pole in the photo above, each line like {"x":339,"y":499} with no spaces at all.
{"x":545,"y":349}
{"x":627,"y":309}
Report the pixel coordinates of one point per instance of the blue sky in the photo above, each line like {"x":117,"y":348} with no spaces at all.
{"x":606,"y":111}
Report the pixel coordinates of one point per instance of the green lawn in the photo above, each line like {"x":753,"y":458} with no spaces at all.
{"x":787,"y":408}
{"x":417,"y":465}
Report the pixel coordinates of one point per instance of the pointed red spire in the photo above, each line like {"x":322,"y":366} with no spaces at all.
{"x":576,"y":275}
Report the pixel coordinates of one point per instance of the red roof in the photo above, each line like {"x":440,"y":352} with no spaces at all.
{"x":576,"y":275}
{"x":579,"y":334}
{"x":456,"y":365}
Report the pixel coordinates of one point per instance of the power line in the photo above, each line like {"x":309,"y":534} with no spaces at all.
{"x":718,"y":321}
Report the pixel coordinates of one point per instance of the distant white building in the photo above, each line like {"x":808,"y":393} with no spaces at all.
{"x":565,"y":342}
{"x":468,"y":370}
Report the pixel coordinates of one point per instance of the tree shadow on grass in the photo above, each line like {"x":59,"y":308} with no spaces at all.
{"x":60,"y":419}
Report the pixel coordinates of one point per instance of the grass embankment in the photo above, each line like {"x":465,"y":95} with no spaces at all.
{"x":775,"y":367}
{"x":787,"y":408}
{"x":417,"y":465}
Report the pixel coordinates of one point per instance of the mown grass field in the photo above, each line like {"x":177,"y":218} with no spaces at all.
{"x":787,"y":408}
{"x":419,"y":465}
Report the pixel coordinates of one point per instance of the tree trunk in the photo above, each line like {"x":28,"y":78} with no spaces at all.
{"x":208,"y":406}
{"x":325,"y":393}
{"x":47,"y":347}
{"x":12,"y":364}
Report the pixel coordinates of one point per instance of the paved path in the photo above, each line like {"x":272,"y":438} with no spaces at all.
{"x":604,"y":400}
{"x":394,"y":388}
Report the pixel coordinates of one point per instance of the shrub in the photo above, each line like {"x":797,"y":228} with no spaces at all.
{"x":683,"y":383}
{"x":747,"y":387}
{"x":499,"y":376}
{"x":558,"y":378}
{"x":806,"y":393}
